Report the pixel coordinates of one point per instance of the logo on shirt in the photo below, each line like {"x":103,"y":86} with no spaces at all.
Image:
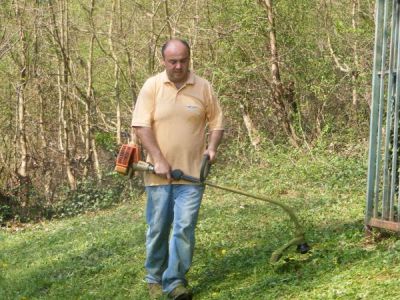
{"x":192,"y":108}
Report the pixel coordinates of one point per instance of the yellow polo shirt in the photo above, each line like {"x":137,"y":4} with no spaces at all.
{"x":179,"y":119}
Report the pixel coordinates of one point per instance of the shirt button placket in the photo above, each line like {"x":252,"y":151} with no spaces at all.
{"x":178,"y":90}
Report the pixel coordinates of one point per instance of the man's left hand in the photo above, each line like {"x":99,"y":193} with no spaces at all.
{"x":212,"y":154}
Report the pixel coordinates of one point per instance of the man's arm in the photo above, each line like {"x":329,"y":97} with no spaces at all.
{"x":214,"y":140}
{"x":146,"y":136}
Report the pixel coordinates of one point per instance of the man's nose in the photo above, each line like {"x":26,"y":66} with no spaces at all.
{"x":178,"y":65}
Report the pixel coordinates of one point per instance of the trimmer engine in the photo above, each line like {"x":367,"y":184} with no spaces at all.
{"x":128,"y":160}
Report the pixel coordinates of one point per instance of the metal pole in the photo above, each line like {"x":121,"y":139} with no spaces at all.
{"x":389,"y":117}
{"x":381,"y":108}
{"x":373,"y":140}
{"x":395,"y":182}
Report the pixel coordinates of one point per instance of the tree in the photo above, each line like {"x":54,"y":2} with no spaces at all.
{"x":283,"y":101}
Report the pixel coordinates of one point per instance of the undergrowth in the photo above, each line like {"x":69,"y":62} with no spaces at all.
{"x":90,"y":195}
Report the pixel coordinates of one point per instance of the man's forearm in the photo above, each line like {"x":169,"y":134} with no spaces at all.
{"x":214,"y":140}
{"x":149,"y":142}
{"x":146,"y":136}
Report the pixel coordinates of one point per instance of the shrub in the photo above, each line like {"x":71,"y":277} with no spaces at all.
{"x":92,"y":195}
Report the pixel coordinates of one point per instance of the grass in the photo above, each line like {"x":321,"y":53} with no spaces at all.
{"x":100,"y":255}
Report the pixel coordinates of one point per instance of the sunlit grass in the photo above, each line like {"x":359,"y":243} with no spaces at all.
{"x":101,"y":255}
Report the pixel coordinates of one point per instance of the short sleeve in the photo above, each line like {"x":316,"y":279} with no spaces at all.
{"x":144,"y":107}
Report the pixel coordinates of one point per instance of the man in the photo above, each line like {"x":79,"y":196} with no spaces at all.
{"x":170,"y":118}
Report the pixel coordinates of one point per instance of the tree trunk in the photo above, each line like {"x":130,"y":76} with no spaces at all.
{"x":91,"y":148}
{"x":96,"y":161}
{"x":61,"y":39}
{"x":46,"y":176}
{"x":283,"y":109}
{"x":20,"y":92}
{"x":354,"y":73}
{"x":193,"y":35}
{"x":89,"y":97}
{"x":252,"y":130}
{"x":152,"y":42}
{"x":22,"y":60}
{"x":116,"y":72}
{"x":353,"y":69}
{"x":167,"y":19}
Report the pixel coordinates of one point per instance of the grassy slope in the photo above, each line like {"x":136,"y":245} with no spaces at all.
{"x":100,"y":255}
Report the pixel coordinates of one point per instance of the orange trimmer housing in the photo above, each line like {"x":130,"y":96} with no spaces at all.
{"x":128,"y":154}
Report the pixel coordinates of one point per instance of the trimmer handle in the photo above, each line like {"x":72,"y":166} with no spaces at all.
{"x":178,"y":175}
{"x":204,"y":170}
{"x":205,"y":167}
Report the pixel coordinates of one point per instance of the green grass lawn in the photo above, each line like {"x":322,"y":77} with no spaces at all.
{"x":100,"y":255}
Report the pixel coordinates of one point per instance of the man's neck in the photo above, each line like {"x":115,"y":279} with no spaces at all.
{"x":178,"y":85}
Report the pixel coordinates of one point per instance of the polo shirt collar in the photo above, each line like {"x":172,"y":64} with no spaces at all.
{"x":190,"y":80}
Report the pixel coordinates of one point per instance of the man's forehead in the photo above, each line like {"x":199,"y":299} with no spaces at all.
{"x":176,"y":56}
{"x":176,"y":49}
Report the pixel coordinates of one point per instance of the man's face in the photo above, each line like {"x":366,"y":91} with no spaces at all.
{"x":176,"y":62}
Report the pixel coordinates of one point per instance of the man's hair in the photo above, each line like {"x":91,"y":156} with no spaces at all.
{"x":164,"y":47}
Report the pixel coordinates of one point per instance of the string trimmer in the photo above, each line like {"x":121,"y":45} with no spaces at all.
{"x":128,"y":161}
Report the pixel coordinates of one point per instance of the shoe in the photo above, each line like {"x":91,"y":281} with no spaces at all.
{"x":155,"y":290}
{"x":180,"y":293}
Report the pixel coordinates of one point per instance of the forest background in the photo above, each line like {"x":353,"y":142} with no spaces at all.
{"x":290,"y":74}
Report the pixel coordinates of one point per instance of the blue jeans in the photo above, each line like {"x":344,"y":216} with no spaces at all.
{"x":169,"y":254}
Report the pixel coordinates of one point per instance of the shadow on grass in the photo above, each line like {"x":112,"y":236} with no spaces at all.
{"x":245,"y":273}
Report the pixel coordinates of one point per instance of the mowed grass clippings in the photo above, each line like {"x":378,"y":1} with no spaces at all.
{"x":101,"y":255}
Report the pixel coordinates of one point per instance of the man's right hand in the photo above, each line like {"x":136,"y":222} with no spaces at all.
{"x":162,"y":168}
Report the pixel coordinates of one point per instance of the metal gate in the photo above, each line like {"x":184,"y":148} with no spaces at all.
{"x":383,"y":198}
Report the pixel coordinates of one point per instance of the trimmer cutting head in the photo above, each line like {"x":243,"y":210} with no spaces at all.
{"x":303,"y":248}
